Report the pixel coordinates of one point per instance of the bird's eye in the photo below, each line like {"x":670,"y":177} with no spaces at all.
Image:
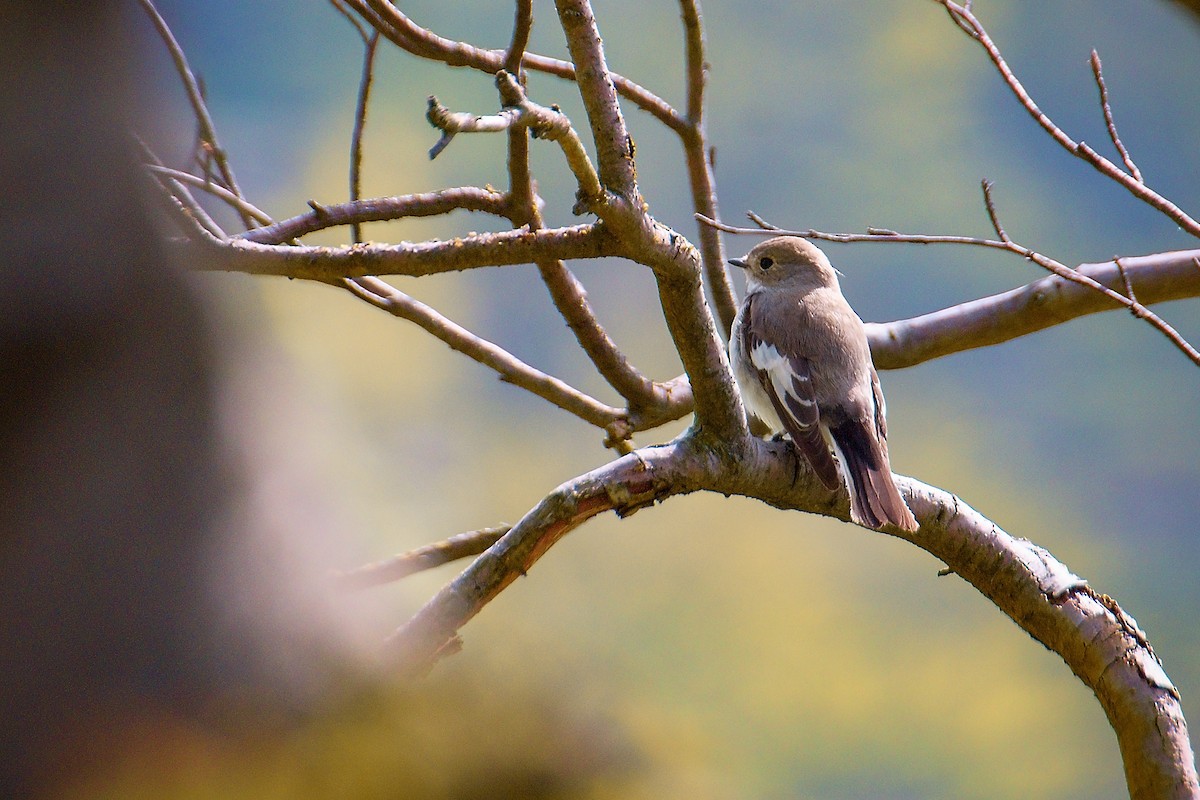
{"x":766,"y":263}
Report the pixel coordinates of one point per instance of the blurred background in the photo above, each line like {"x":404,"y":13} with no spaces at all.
{"x":710,"y":647}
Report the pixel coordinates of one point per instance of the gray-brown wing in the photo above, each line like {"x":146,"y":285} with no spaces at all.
{"x":788,"y":384}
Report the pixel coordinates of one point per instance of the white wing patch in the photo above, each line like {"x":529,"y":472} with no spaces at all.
{"x":791,"y":389}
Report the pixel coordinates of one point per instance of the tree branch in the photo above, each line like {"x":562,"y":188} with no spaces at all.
{"x":409,"y":36}
{"x":1027,"y":309}
{"x":208,"y":131}
{"x":614,"y":147}
{"x":1098,"y":641}
{"x":962,"y":16}
{"x":510,"y":368}
{"x":406,"y":258}
{"x":393,"y":569}
{"x":1106,"y":109}
{"x":1005,"y":243}
{"x":544,"y":122}
{"x":699,"y":158}
{"x":381,"y":209}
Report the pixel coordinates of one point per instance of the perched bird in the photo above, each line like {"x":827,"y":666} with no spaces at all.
{"x":800,"y":357}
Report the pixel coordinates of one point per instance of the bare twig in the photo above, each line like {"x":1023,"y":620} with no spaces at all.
{"x":1108,"y":119}
{"x":1045,"y":262}
{"x":370,"y":44}
{"x":991,"y":211}
{"x":1125,"y":280}
{"x":409,"y":36}
{"x":966,"y":20}
{"x":700,"y":167}
{"x":393,"y":569}
{"x":207,"y":130}
{"x":510,"y":368}
{"x":546,"y":123}
{"x":239,"y":204}
{"x":381,"y":209}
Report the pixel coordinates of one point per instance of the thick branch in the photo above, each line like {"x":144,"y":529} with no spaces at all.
{"x":614,"y":147}
{"x":1098,"y":641}
{"x":407,"y":258}
{"x":1027,"y":309}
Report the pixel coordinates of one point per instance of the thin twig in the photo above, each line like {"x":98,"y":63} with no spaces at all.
{"x":239,"y":204}
{"x":1125,"y":280}
{"x":1108,"y":119}
{"x":353,"y":20}
{"x":510,"y":368}
{"x":991,"y":211}
{"x":433,"y":555}
{"x":546,"y":123}
{"x":570,"y":297}
{"x":1045,"y":262}
{"x":370,"y":45}
{"x":409,"y":36}
{"x":963,"y":17}
{"x":701,"y":179}
{"x":207,"y":130}
{"x":382,"y":209}
{"x":180,"y":191}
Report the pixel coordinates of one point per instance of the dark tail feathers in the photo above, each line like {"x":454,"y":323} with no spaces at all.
{"x":874,"y":499}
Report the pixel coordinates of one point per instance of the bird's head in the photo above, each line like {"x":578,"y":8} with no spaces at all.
{"x":790,"y":260}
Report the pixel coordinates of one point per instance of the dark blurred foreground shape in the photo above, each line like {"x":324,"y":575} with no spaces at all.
{"x":140,"y":617}
{"x":110,"y":481}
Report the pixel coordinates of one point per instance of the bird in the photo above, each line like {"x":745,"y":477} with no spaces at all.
{"x":801,"y":360}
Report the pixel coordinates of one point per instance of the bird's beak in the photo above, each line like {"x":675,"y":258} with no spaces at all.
{"x":739,"y":262}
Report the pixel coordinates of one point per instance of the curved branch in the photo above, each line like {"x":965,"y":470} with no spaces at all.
{"x":1030,"y":308}
{"x":1099,"y":642}
{"x":409,"y":36}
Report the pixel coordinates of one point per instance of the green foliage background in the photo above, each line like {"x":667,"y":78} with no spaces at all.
{"x":714,"y":647}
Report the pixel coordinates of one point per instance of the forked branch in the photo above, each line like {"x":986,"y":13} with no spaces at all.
{"x":1132,"y":180}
